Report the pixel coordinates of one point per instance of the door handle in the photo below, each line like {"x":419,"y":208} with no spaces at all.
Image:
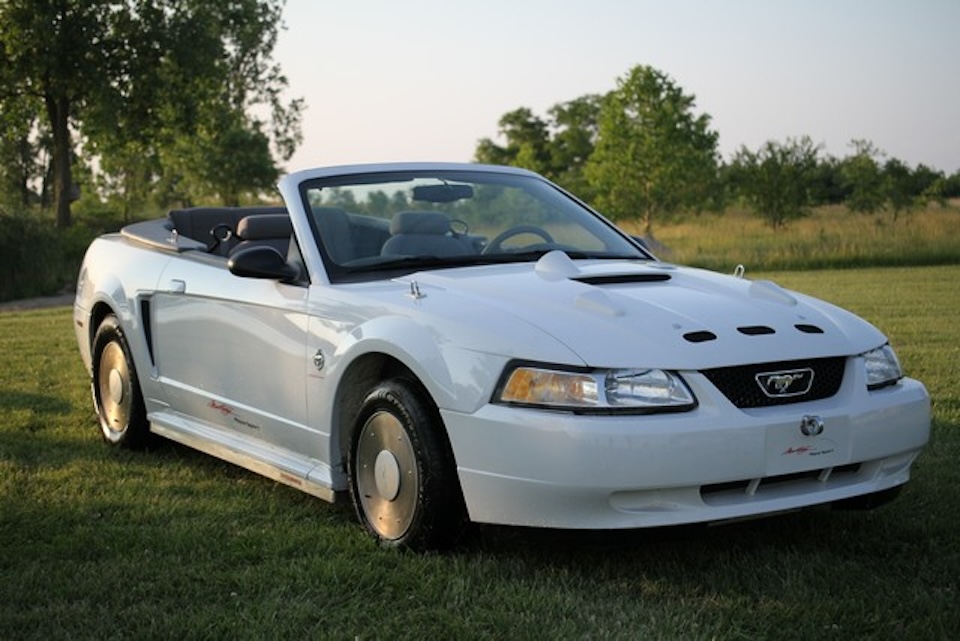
{"x":177,"y":286}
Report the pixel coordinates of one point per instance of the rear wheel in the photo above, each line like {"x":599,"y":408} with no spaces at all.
{"x":403,"y":479}
{"x":116,"y":390}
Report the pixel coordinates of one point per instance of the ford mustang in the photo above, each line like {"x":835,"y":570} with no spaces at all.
{"x":456,"y":343}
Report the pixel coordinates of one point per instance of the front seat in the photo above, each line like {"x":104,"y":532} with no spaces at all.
{"x":423,"y":233}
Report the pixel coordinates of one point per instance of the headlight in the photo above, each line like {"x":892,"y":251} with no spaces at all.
{"x":641,"y":390}
{"x":882,"y":367}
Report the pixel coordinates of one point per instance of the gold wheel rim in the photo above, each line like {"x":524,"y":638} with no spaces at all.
{"x":388,"y":483}
{"x":115,"y":389}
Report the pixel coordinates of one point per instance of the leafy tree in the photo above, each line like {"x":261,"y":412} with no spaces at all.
{"x":778,"y":179}
{"x":557,"y":147}
{"x":576,"y":127}
{"x":141,"y":81}
{"x":528,"y":140}
{"x":928,"y":184}
{"x":863,"y":176}
{"x":19,"y":150}
{"x":52,"y":51}
{"x":899,"y":188}
{"x":951,"y":186}
{"x":828,"y":186}
{"x":653,"y":155}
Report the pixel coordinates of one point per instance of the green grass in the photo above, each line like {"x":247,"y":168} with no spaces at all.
{"x":101,"y":543}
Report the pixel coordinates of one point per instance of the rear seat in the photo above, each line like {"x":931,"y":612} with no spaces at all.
{"x":272,"y":230}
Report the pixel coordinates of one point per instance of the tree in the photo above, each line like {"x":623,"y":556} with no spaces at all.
{"x":653,"y":155}
{"x":52,"y":51}
{"x":863,"y":177}
{"x":19,"y":149}
{"x":528,"y":138}
{"x":557,"y":147}
{"x":928,"y":184}
{"x":575,"y":126}
{"x":828,"y":185}
{"x":899,"y":188}
{"x":950,"y":188}
{"x":137,"y":80}
{"x":777,"y":180}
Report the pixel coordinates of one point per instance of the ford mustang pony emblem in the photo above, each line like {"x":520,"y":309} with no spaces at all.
{"x":784,"y":384}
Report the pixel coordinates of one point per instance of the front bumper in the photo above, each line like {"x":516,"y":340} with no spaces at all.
{"x":560,"y":470}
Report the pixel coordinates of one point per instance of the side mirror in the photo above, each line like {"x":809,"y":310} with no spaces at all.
{"x":640,"y":240}
{"x":261,"y":262}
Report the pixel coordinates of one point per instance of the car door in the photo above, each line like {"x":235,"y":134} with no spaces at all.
{"x":231,"y":352}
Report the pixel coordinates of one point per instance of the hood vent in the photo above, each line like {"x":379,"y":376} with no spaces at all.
{"x":700,"y":337}
{"x":809,"y":329}
{"x":622,"y":279}
{"x":756,"y":330}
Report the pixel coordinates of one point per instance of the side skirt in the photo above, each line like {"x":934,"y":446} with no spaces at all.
{"x":306,"y":475}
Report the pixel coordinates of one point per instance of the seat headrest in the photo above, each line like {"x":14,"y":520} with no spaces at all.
{"x":264,"y":227}
{"x":420,"y":222}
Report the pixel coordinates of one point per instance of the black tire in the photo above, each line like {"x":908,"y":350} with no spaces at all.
{"x":116,"y":390}
{"x":403,"y":480}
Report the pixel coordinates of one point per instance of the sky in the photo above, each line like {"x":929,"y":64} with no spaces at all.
{"x":424,"y":80}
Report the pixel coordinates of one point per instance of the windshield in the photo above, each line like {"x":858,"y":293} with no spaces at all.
{"x":411,"y":220}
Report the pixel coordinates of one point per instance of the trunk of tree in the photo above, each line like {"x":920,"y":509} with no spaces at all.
{"x":58,"y":111}
{"x":25,"y":157}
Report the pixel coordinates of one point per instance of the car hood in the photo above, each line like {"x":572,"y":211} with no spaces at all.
{"x":639,"y":313}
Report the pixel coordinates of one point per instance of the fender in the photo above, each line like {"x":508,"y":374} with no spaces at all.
{"x":107,"y":279}
{"x":416,"y":348}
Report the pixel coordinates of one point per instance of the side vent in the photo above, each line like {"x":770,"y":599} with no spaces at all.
{"x":809,"y":329}
{"x":700,"y":337}
{"x":145,"y":320}
{"x":756,"y":330}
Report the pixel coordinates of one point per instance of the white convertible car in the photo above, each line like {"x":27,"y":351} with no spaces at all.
{"x":450,"y":343}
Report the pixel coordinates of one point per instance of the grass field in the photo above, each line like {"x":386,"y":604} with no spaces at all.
{"x":99,"y":543}
{"x":831,"y":237}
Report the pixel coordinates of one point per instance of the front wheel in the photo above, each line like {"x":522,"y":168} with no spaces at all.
{"x":403,"y":480}
{"x":116,"y":390}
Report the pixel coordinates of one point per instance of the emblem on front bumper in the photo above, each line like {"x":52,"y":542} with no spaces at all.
{"x":795,"y":382}
{"x":811,"y":426}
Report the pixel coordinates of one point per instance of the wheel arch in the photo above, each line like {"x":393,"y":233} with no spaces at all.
{"x":100,"y":311}
{"x":362,"y":374}
{"x":395,"y":346}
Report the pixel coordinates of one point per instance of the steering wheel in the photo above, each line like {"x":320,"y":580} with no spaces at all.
{"x":494,"y":246}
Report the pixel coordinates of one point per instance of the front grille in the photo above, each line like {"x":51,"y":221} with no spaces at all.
{"x":739,"y":384}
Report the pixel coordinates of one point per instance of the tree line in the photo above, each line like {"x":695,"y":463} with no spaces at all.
{"x":642,"y":151}
{"x":142,"y":102}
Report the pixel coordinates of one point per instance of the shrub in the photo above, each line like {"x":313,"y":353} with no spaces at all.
{"x":36,"y":258}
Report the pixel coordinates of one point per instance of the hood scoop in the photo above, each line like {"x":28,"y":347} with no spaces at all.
{"x":622,"y":279}
{"x":556,"y":265}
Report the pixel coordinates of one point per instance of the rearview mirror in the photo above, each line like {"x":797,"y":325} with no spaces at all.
{"x":445,"y":193}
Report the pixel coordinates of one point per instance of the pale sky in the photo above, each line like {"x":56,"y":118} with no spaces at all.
{"x":393,"y":80}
